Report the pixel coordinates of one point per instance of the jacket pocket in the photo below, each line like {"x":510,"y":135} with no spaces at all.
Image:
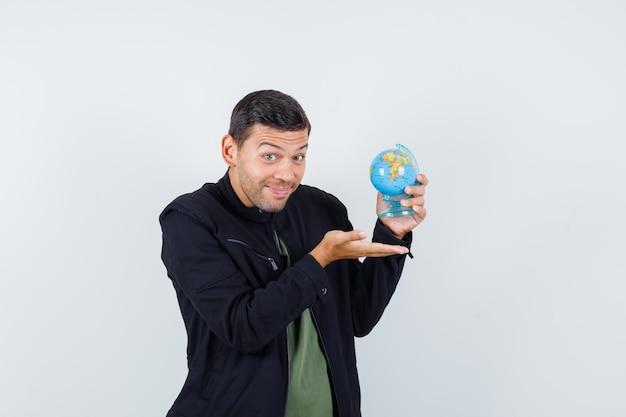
{"x":270,"y":261}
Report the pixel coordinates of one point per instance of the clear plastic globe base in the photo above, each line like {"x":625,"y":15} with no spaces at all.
{"x":391,"y":171}
{"x":396,"y":209}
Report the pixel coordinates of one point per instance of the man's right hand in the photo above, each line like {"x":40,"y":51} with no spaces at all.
{"x":337,"y":244}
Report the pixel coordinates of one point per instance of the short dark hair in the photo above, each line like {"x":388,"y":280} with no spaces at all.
{"x":270,"y":108}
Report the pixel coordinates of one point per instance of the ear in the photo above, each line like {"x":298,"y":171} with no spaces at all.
{"x":229,"y":150}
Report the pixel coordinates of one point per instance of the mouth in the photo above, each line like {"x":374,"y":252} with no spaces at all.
{"x":280,"y":192}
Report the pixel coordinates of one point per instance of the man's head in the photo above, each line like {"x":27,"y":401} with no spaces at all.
{"x":266,"y":148}
{"x":269,"y":108}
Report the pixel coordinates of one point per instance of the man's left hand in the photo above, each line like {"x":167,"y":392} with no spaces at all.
{"x":402,"y":225}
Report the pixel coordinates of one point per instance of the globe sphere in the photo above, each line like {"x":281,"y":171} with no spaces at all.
{"x":392,"y":170}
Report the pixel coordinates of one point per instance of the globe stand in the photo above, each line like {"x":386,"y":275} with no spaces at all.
{"x":395,"y":209}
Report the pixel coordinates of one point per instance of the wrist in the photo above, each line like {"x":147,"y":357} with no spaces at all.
{"x":320,"y":256}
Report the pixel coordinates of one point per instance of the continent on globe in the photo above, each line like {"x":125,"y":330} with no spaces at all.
{"x":397,"y":162}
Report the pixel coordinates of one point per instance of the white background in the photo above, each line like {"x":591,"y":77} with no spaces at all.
{"x":514,"y":303}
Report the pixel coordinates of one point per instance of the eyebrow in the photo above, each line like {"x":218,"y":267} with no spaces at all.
{"x":280,"y":148}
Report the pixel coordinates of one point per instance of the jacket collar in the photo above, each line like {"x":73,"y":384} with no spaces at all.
{"x":233,"y":202}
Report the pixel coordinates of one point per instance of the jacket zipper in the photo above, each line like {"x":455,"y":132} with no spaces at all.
{"x":330,"y":369}
{"x":288,"y":371}
{"x":267,"y":258}
{"x":275,"y":235}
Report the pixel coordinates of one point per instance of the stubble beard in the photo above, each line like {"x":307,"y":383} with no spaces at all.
{"x":256,"y":194}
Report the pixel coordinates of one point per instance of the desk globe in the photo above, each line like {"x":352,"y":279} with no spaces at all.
{"x":390,"y":172}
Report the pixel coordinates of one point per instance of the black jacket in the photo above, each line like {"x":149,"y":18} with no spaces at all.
{"x":236,"y":297}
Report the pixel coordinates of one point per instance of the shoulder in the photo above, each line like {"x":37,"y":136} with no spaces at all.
{"x":313,"y":198}
{"x":195,"y":204}
{"x":314,"y":194}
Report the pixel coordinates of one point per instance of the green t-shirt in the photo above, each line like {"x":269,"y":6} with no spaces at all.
{"x":309,"y":384}
{"x":309,"y":391}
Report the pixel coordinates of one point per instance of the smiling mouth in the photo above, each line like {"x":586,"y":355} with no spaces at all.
{"x":279,"y":192}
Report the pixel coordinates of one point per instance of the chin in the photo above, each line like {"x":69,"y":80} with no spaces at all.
{"x":273,"y":208}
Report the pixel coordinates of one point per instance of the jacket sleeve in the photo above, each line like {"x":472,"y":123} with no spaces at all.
{"x":241,"y":316}
{"x":373,"y":282}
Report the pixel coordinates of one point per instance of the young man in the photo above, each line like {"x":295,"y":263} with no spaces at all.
{"x":268,"y":278}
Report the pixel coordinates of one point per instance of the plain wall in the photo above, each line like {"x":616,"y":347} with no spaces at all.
{"x":514,"y":303}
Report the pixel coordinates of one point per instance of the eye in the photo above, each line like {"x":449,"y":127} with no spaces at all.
{"x":269,"y":157}
{"x":298,"y":158}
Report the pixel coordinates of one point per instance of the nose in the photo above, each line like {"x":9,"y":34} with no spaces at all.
{"x":285,"y":171}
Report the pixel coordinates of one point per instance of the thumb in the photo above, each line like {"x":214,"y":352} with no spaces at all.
{"x":339,"y":237}
{"x":357,"y":235}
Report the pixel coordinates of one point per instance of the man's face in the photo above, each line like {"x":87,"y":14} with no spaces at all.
{"x":267,"y":167}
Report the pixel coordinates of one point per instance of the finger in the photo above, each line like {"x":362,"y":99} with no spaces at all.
{"x":358,"y":234}
{"x":413,"y":201}
{"x":420,"y":211}
{"x":381,"y":249}
{"x":345,"y":237}
{"x":415,"y":189}
{"x":422,"y":179}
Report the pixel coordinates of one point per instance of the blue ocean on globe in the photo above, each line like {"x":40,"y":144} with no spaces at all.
{"x":392,"y":170}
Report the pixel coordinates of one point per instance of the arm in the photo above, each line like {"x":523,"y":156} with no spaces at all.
{"x":374,"y":281}
{"x":351,"y":245}
{"x":243,"y":317}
